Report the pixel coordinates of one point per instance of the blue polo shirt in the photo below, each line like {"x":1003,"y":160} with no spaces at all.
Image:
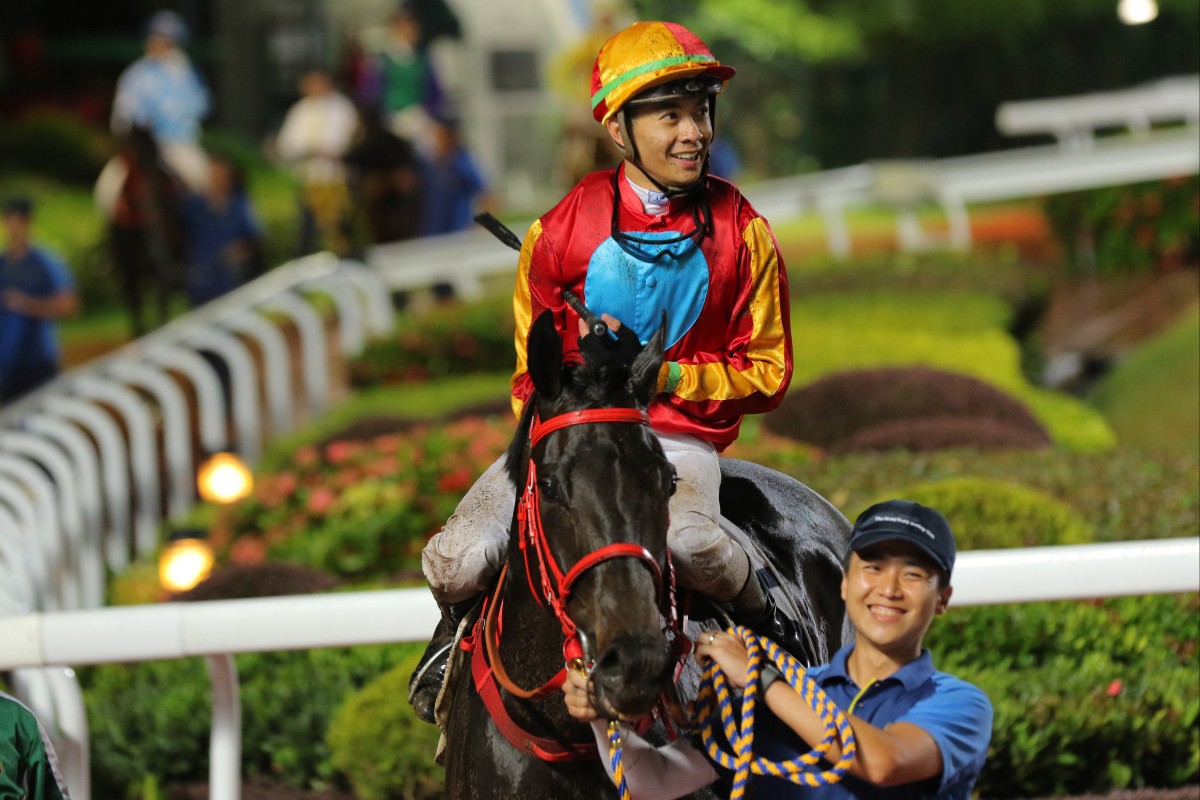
{"x":28,"y":345}
{"x":955,"y":713}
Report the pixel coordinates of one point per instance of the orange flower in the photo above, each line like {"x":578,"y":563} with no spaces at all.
{"x":248,"y":550}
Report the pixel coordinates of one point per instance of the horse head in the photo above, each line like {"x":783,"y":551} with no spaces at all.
{"x":600,"y":487}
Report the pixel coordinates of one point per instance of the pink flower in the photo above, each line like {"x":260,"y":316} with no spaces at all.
{"x":286,"y":483}
{"x":1114,"y":688}
{"x":320,"y":500}
{"x":340,"y":452}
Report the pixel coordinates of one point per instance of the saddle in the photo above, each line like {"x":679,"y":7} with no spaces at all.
{"x":763,"y":568}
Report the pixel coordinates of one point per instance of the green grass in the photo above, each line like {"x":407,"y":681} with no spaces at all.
{"x":1152,"y":397}
{"x":963,"y":332}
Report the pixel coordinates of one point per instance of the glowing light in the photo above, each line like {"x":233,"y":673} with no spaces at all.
{"x":1137,"y":12}
{"x":224,"y":479}
{"x":185,"y":561}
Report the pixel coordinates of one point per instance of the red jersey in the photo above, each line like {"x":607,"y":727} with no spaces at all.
{"x":725,"y":295}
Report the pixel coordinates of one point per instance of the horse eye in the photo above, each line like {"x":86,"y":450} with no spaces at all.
{"x":548,"y":488}
{"x":673,"y":483}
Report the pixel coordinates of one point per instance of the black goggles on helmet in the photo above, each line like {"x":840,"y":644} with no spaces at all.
{"x":697,"y":86}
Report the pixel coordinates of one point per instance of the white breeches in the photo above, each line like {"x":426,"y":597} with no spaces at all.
{"x":460,"y":560}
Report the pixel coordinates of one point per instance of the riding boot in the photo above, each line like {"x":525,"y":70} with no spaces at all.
{"x":427,"y":678}
{"x":753,"y":607}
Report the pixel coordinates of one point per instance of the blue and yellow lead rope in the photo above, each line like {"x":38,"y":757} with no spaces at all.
{"x":714,"y":692}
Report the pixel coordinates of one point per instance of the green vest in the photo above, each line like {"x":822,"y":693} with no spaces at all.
{"x":403,"y":82}
{"x":28,"y":766}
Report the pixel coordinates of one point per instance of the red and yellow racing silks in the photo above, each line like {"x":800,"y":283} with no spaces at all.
{"x":725,"y":297}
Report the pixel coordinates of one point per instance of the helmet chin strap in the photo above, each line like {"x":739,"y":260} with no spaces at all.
{"x":635,"y":157}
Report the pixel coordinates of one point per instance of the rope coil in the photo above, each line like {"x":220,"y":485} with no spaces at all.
{"x":714,"y":692}
{"x":714,"y":705}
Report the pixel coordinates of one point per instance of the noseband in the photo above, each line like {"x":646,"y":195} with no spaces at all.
{"x":555,"y":584}
{"x":554,"y":589}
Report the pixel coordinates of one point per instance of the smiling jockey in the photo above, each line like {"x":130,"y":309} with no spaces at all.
{"x":656,"y":235}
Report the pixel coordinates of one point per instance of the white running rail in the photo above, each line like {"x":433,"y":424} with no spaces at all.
{"x":217,"y":629}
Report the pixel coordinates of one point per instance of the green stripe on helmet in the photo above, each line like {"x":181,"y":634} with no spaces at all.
{"x":625,"y":77}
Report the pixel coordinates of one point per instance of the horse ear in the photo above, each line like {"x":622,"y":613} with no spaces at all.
{"x":643,"y":374}
{"x":544,"y":356}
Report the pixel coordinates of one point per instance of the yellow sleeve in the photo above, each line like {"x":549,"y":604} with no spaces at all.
{"x":765,"y":357}
{"x":523,"y":315}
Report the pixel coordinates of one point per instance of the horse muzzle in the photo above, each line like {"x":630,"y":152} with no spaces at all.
{"x":630,"y":674}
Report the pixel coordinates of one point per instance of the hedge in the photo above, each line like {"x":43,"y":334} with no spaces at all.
{"x":1089,"y":695}
{"x":381,"y":745}
{"x":912,"y":407}
{"x":153,"y":719}
{"x":987,"y":514}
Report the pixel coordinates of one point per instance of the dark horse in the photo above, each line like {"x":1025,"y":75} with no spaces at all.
{"x":147,"y":236}
{"x":588,"y":563}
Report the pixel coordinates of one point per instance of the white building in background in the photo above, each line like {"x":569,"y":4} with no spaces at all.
{"x":496,"y":73}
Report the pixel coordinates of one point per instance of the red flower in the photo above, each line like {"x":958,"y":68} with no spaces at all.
{"x":456,"y":481}
{"x":1114,"y":688}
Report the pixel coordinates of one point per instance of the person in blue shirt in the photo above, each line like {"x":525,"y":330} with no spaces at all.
{"x":920,"y":733}
{"x":36,"y":289}
{"x":224,"y":235}
{"x":453,"y":189}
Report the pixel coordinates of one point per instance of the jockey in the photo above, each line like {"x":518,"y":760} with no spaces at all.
{"x":658,"y":234}
{"x":163,"y":92}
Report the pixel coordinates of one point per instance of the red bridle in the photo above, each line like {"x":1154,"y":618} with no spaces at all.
{"x":555,"y":584}
{"x":555,"y":587}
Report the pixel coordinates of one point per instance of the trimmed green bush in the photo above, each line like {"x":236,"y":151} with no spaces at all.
{"x":988,"y":514}
{"x":381,"y":745}
{"x":153,"y":719}
{"x":1089,"y":696}
{"x":1120,"y":494}
{"x":54,"y":144}
{"x":873,"y":408}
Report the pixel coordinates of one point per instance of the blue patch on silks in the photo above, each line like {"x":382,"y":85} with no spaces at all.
{"x":635,"y":282}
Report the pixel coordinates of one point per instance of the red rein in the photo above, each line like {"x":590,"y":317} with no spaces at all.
{"x":555,"y":588}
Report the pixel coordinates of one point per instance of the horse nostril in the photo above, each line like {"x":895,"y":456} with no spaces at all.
{"x":632,"y":664}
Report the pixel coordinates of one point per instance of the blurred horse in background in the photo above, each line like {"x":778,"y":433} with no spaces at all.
{"x":147,"y":238}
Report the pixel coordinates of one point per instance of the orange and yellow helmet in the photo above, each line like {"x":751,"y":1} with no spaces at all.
{"x":650,"y":54}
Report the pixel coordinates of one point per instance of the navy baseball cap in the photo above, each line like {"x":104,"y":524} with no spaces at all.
{"x":19,"y":206}
{"x":906,"y":521}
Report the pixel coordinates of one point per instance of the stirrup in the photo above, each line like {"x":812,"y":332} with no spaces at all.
{"x":426,"y":683}
{"x":435,"y":659}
